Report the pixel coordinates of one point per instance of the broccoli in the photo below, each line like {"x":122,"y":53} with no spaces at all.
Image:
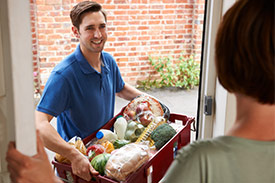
{"x":162,"y":134}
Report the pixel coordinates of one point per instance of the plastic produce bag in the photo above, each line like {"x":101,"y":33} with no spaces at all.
{"x":78,"y":144}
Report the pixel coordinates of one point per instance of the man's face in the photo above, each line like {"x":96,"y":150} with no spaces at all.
{"x":92,"y":32}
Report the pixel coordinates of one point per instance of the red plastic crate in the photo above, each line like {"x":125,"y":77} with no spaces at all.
{"x":157,"y":164}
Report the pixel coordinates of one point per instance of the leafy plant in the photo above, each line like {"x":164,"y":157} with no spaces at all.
{"x":183,"y":73}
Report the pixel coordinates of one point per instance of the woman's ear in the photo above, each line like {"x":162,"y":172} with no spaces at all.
{"x":75,"y":31}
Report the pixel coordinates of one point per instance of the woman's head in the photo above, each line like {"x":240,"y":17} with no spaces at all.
{"x":245,"y":50}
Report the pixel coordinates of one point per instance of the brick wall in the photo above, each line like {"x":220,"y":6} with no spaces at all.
{"x":136,"y":29}
{"x":35,"y":59}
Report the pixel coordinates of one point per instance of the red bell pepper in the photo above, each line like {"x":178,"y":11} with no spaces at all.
{"x":94,"y":150}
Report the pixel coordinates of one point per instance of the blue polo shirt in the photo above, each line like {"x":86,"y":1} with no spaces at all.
{"x":81,"y":98}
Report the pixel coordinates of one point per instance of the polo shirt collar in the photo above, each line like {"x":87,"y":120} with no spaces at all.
{"x":86,"y":67}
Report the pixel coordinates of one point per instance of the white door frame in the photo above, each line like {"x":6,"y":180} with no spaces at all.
{"x":16,"y":82}
{"x":223,"y":104}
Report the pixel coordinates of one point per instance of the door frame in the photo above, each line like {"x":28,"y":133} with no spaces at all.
{"x":16,"y":83}
{"x":223,"y":103}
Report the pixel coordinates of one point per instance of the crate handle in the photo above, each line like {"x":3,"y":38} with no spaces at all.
{"x":191,"y":120}
{"x":194,"y":129}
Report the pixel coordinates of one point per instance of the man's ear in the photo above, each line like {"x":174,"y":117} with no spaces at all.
{"x":75,"y":31}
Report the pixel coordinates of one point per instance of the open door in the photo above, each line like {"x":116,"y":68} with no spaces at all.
{"x":16,"y":82}
{"x":216,"y":107}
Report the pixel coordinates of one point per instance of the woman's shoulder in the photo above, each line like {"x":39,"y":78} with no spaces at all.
{"x":206,"y":146}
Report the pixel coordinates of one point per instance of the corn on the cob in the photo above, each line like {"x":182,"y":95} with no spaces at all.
{"x":149,"y":129}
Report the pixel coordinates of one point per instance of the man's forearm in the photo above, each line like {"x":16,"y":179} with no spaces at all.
{"x":53,"y":140}
{"x":129,"y":92}
{"x":51,"y":137}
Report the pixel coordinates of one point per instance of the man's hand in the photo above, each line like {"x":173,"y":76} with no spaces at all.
{"x":82,"y":167}
{"x":25,"y":169}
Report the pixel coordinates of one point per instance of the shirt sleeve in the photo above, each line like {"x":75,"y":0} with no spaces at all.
{"x":56,"y":95}
{"x":119,"y":81}
{"x":186,"y":167}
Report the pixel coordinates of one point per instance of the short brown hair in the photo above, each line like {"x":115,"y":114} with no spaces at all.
{"x":84,"y":7}
{"x":244,"y":53}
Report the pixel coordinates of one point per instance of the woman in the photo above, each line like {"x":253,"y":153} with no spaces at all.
{"x":245,"y":67}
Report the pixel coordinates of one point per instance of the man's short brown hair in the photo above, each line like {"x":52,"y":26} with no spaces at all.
{"x":245,"y":50}
{"x":84,"y":7}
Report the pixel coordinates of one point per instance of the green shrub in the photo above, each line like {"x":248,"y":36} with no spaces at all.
{"x":182,"y":73}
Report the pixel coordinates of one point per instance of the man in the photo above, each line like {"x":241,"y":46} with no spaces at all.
{"x":81,"y":89}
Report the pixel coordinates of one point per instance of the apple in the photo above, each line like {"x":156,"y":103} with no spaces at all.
{"x":141,"y":108}
{"x":132,"y":114}
{"x":146,"y":118}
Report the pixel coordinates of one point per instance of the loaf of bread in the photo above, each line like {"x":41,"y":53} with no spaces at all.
{"x":126,"y":160}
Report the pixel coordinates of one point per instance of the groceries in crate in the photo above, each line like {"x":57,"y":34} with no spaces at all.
{"x":162,"y":134}
{"x":120,"y":127}
{"x":143,"y":109}
{"x":133,"y":131}
{"x":109,"y":147}
{"x":99,"y":162}
{"x":94,"y":150}
{"x":128,"y":155}
{"x":78,"y":144}
{"x":145,"y":136}
{"x":120,"y":143}
{"x":127,"y":160}
{"x":104,"y":134}
{"x":117,"y":167}
{"x":132,"y":140}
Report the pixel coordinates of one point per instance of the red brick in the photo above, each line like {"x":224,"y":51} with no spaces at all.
{"x":133,"y":43}
{"x":119,"y":54}
{"x":45,"y":42}
{"x":120,"y":33}
{"x":109,"y":49}
{"x":46,"y":8}
{"x":133,"y":64}
{"x":123,"y":38}
{"x":54,"y":25}
{"x":143,"y":27}
{"x":168,"y":1}
{"x":132,"y":54}
{"x":55,"y":59}
{"x":122,"y":59}
{"x":109,"y":6}
{"x":132,"y":74}
{"x":53,"y":2}
{"x":120,"y":1}
{"x":40,"y":2}
{"x":137,"y":22}
{"x":62,"y":19}
{"x":155,"y":1}
{"x":133,"y":12}
{"x":154,"y":11}
{"x":117,"y":23}
{"x":46,"y":19}
{"x":63,"y":31}
{"x":124,"y":6}
{"x":119,"y":12}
